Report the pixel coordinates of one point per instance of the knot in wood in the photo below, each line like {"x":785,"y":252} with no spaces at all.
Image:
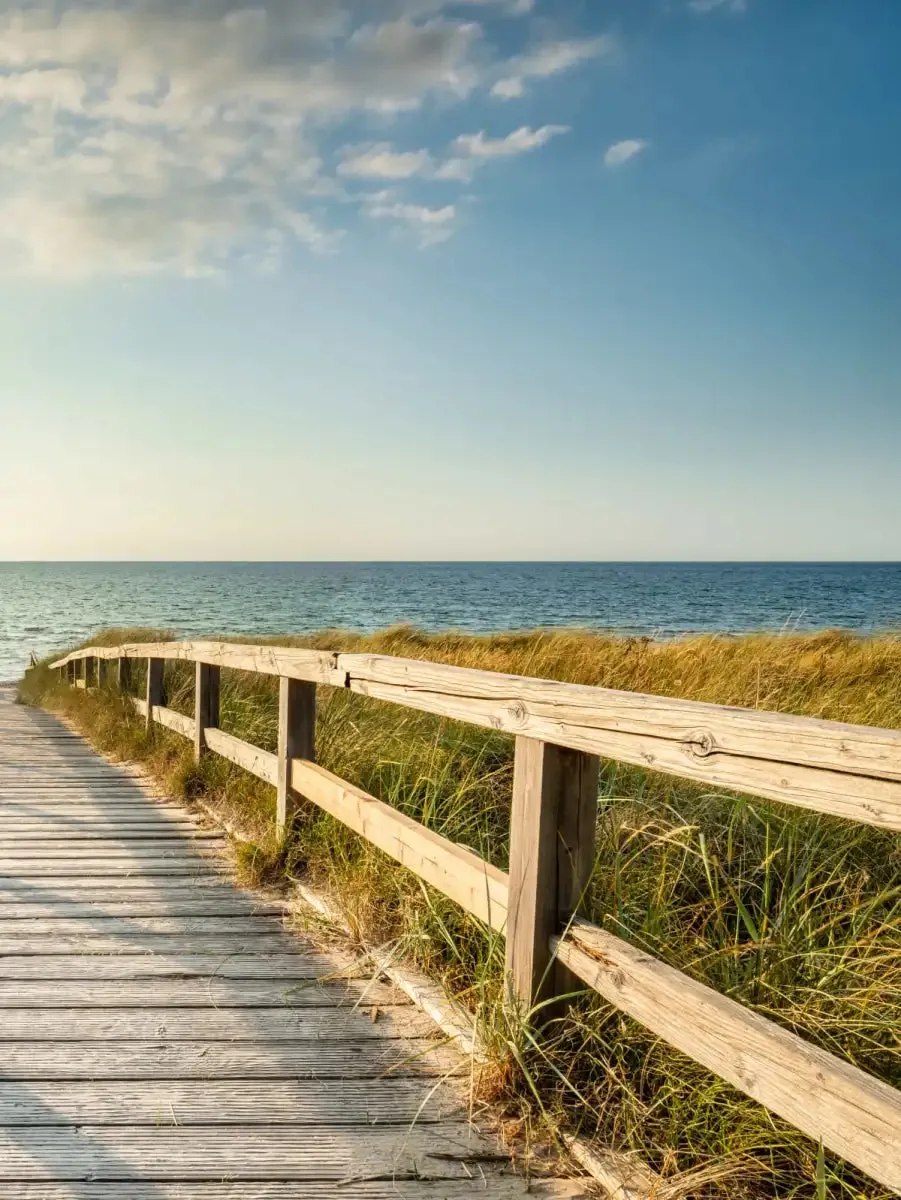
{"x":517,"y":712}
{"x":699,"y":743}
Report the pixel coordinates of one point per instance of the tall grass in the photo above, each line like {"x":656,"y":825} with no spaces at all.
{"x":794,"y":915}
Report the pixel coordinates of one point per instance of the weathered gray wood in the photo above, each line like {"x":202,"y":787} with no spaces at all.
{"x":502,"y":1188}
{"x":474,"y":884}
{"x":206,"y":705}
{"x":161,"y":965}
{"x":77,"y":1031}
{"x":113,"y":927}
{"x":180,"y":1103}
{"x":442,"y":1150}
{"x":296,"y":739}
{"x":175,"y":721}
{"x":154,"y":697}
{"x":134,"y":907}
{"x":852,"y":1113}
{"x":215,"y":992}
{"x":344,"y":1056}
{"x":93,"y":942}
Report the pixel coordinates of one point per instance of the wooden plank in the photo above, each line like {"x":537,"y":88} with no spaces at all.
{"x":206,"y":705}
{"x":552,"y":830}
{"x":208,"y":1102}
{"x":314,"y":666}
{"x":340,"y":1057}
{"x":679,"y":737}
{"x":203,"y":885}
{"x":258,"y":762}
{"x":12,"y":868}
{"x":93,"y":942}
{"x":128,"y":927}
{"x":305,"y":964}
{"x":173,"y":720}
{"x":458,"y":873}
{"x":442,"y":1150}
{"x":115,"y":849}
{"x":154,"y":696}
{"x":852,"y":1113}
{"x":296,"y":739}
{"x":214,"y":992}
{"x":102,"y":905}
{"x":76,"y":1032}
{"x":502,"y":1188}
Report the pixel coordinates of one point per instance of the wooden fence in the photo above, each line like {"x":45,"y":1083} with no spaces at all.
{"x":561,"y":731}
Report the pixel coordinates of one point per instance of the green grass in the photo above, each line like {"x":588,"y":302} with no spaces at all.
{"x":794,"y":915}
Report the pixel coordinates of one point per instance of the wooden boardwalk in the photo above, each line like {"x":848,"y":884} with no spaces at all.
{"x":163,"y":1037}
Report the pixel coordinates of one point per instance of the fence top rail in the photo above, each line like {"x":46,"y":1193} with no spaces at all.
{"x":847,"y":770}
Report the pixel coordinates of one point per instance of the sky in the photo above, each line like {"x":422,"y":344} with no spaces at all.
{"x":425,"y":279}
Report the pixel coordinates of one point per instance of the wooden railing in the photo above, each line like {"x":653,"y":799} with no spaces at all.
{"x":561,"y":731}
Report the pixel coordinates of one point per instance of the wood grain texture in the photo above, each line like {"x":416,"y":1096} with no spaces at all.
{"x":552,"y":828}
{"x":854,"y":1115}
{"x":178,"y":1103}
{"x":154,"y":696}
{"x":206,"y":705}
{"x":296,"y":739}
{"x":458,"y":873}
{"x":442,"y":1150}
{"x":342,"y":1056}
{"x":851,"y":771}
{"x":502,"y":1188}
{"x":175,"y":721}
{"x":258,"y":762}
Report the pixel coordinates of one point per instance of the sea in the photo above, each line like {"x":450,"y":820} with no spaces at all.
{"x":45,"y":607}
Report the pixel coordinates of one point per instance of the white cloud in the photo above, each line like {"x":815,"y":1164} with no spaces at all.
{"x":621,"y":152}
{"x":550,"y":59}
{"x":140,"y":136}
{"x":430,"y":226}
{"x":477,"y":145}
{"x":380,"y":161}
{"x":706,"y":6}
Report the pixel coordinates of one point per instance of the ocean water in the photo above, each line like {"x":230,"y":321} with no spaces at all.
{"x":47,"y":606}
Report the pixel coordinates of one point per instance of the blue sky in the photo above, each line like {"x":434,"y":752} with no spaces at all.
{"x":421,"y":279}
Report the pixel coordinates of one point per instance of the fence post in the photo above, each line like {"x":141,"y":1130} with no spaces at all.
{"x":123,"y":673}
{"x":206,"y":705}
{"x":552,"y":832}
{"x":296,"y":739}
{"x":154,"y":688}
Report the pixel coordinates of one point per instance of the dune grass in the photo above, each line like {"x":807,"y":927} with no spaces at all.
{"x":795,"y":915}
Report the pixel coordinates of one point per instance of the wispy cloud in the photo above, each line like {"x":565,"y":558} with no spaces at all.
{"x":707,"y":6}
{"x":141,"y":136}
{"x":430,"y":226}
{"x":620,"y":152}
{"x":380,"y":161}
{"x":522,"y":140}
{"x":546,"y":60}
